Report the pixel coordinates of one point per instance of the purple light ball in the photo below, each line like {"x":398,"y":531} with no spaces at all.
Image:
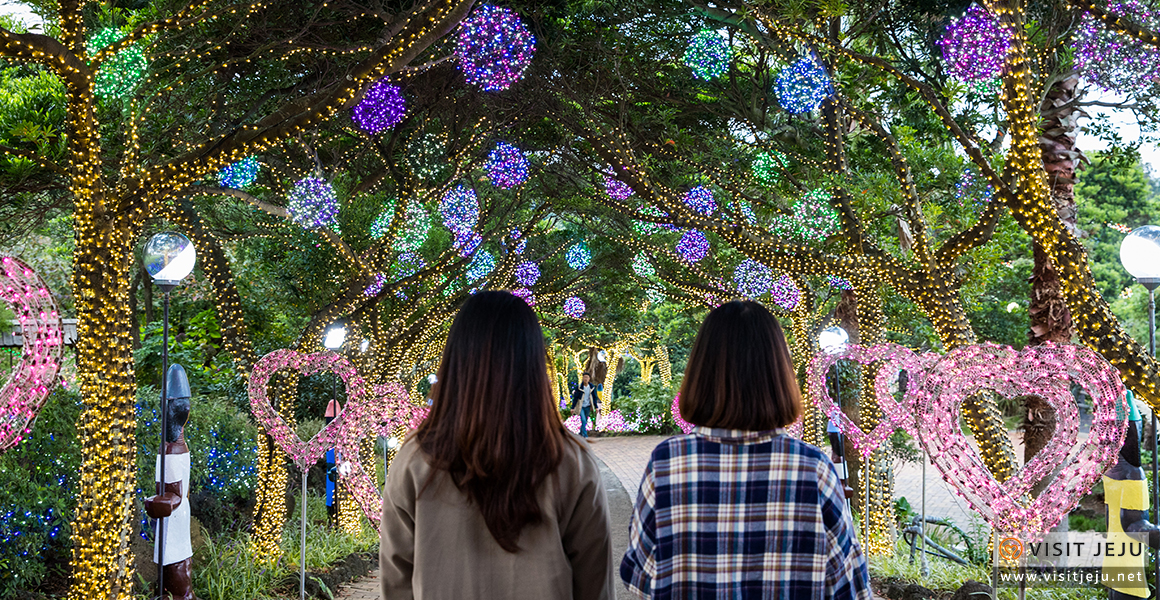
{"x":693,"y":246}
{"x":506,"y":166}
{"x":381,"y":108}
{"x":574,"y":307}
{"x":494,"y":48}
{"x":527,"y":273}
{"x":975,"y":46}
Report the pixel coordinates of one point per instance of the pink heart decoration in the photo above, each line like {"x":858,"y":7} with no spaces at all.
{"x":685,"y":426}
{"x":1041,"y":371}
{"x":897,"y":358}
{"x":365,"y":414}
{"x":390,"y":408}
{"x":28,"y":386}
{"x":305,"y":454}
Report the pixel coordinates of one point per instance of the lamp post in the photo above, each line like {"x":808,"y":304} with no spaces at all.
{"x":332,"y":340}
{"x":1140,"y":255}
{"x":169,"y":258}
{"x":833,"y":340}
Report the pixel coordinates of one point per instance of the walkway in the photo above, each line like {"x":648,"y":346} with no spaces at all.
{"x":623,"y":460}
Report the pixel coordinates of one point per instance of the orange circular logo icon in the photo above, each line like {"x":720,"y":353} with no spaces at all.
{"x":1010,"y":549}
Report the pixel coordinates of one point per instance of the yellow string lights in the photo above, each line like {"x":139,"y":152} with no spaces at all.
{"x":107,"y":220}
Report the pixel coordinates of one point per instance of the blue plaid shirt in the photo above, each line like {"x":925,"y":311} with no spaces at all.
{"x":742,"y":514}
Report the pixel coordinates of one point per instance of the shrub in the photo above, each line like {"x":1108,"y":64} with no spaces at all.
{"x":38,"y":480}
{"x":223,"y":458}
{"x":646,"y":407}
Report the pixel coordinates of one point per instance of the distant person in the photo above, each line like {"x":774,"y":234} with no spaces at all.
{"x":738,"y":509}
{"x":491,"y":497}
{"x":586,"y":396}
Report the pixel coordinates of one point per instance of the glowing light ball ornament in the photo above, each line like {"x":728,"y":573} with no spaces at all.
{"x":376,"y":286}
{"x":700,"y":199}
{"x":240,"y":174}
{"x":382,"y":223}
{"x":506,"y":166}
{"x":481,"y":265}
{"x":467,"y":242}
{"x":574,"y":307}
{"x":1113,"y":61}
{"x":407,"y":264}
{"x":642,"y":267}
{"x":526,"y":295}
{"x":425,"y":156}
{"x":381,"y":108}
{"x":752,"y":278}
{"x":616,"y":189}
{"x":416,"y":225}
{"x":527,"y":273}
{"x":30,"y":382}
{"x":118,"y":75}
{"x":313,"y":203}
{"x":460,"y":209}
{"x":785,"y":293}
{"x":708,"y":55}
{"x":839,"y":283}
{"x":578,"y":256}
{"x":803,"y":86}
{"x":768,"y":166}
{"x":693,"y":246}
{"x":649,"y":227}
{"x":813,"y":218}
{"x":975,"y":46}
{"x":655,"y":294}
{"x":494,"y":47}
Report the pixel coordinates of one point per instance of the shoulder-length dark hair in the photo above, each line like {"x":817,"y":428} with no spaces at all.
{"x":493,"y":425}
{"x":739,"y":374}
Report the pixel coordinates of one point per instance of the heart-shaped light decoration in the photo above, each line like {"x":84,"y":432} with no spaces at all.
{"x":390,"y":408}
{"x":1042,"y":371}
{"x":365,"y":413}
{"x":34,"y":377}
{"x":685,"y":426}
{"x":897,"y":414}
{"x":305,"y":454}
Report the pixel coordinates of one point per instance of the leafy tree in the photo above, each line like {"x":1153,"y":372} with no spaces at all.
{"x":1115,"y":196}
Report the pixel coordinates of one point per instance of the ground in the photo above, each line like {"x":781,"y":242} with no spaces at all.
{"x":622,"y":462}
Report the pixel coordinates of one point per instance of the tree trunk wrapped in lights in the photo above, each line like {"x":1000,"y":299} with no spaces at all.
{"x":1049,"y":315}
{"x":1034,"y":209}
{"x":109,"y":216}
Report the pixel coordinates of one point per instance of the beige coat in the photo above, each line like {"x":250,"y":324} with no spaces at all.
{"x":437,"y":546}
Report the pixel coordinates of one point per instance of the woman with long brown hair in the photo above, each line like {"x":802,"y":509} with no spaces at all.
{"x":738,"y":509}
{"x":491,"y":497}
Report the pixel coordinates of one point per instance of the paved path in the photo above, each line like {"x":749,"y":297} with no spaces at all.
{"x":620,"y":507}
{"x":623,"y":460}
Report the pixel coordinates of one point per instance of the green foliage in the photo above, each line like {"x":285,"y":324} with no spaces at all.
{"x":650,"y":405}
{"x":1109,"y":193}
{"x":226,"y":569}
{"x":223,"y":452}
{"x":1078,"y":522}
{"x":38,"y":481}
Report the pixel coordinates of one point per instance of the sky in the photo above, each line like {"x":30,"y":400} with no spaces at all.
{"x":20,"y":9}
{"x":1123,"y":120}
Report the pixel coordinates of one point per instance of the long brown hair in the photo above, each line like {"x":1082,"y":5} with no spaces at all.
{"x":739,"y":374}
{"x":493,"y":425}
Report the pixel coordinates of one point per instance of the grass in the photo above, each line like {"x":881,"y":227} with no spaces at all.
{"x":946,"y":576}
{"x":226,"y":569}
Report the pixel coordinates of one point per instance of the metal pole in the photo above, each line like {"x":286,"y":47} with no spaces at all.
{"x":161,"y":456}
{"x":302,"y":554}
{"x":1152,"y":354}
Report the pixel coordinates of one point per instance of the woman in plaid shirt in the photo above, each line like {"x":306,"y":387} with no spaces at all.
{"x":738,"y":509}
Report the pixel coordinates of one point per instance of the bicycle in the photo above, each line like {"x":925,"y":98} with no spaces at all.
{"x":941,"y":538}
